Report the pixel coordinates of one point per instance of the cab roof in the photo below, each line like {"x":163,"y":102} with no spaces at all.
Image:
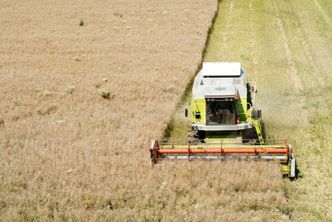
{"x":221,"y":69}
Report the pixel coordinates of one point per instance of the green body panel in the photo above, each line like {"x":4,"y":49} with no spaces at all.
{"x":198,"y":106}
{"x":241,"y":109}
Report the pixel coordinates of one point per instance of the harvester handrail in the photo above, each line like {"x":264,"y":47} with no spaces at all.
{"x":225,"y":142}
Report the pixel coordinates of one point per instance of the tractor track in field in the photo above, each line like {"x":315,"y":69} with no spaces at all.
{"x":311,"y":44}
{"x":294,"y":74}
{"x":227,"y":25}
{"x":252,"y":34}
{"x":306,"y":44}
{"x":324,"y":15}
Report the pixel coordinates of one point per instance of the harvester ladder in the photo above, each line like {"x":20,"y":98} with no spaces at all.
{"x":258,"y":128}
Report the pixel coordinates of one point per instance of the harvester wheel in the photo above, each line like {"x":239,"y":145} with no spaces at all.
{"x":193,"y":136}
{"x":249,"y":136}
{"x":263,"y":129}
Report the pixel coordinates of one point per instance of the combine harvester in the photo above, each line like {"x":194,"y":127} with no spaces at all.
{"x":224,"y":122}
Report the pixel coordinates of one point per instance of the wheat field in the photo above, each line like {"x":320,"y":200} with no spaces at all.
{"x":84,"y":86}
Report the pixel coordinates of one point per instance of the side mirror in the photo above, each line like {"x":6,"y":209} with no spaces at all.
{"x":185,"y":112}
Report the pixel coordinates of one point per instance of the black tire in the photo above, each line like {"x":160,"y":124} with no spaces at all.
{"x":201,"y":135}
{"x":263,"y":129}
{"x":249,"y":136}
